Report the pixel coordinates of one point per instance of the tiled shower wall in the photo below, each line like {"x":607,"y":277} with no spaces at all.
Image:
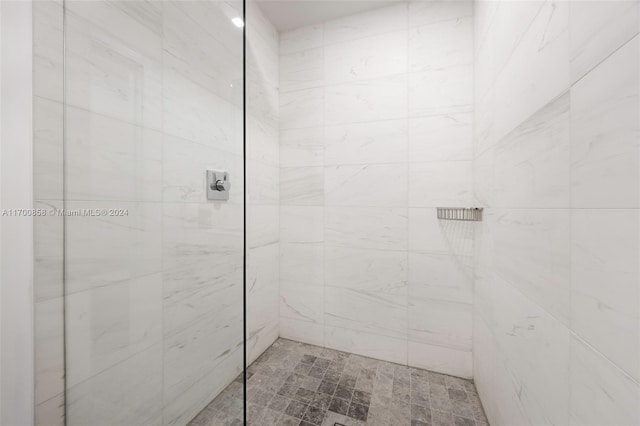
{"x":375,"y":133}
{"x":154,"y":299}
{"x":557,"y":166}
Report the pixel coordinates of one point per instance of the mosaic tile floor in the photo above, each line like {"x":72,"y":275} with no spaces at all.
{"x":294,"y":383}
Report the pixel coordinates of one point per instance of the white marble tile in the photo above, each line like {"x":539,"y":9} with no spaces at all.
{"x":48,"y":252}
{"x":301,"y":108}
{"x":48,"y":144}
{"x":441,"y":45}
{"x":262,"y":99}
{"x":107,"y":325}
{"x":366,"y":344}
{"x":301,"y":147}
{"x":371,"y":100}
{"x":440,"y":184}
{"x":130,"y":245}
{"x":377,"y":312}
{"x":605,"y":131}
{"x":302,"y":186}
{"x":438,"y":322}
{"x":597,"y":29}
{"x":532,"y":253}
{"x":263,"y":225}
{"x":49,"y":350}
{"x":302,"y":70}
{"x":187,"y":113}
{"x":532,"y":163}
{"x":108,"y":159}
{"x":50,"y":412}
{"x":263,"y":183}
{"x":366,"y":58}
{"x":361,"y":227}
{"x":301,"y":224}
{"x":432,"y":12}
{"x":301,"y":39}
{"x":377,"y":21}
{"x":441,"y":138}
{"x":302,"y":331}
{"x":302,"y":302}
{"x":380,"y":185}
{"x":372,"y":271}
{"x":262,"y":141}
{"x":440,"y":359}
{"x":604,"y":283}
{"x":600,"y":392}
{"x":441,"y":277}
{"x":302,"y":264}
{"x":441,"y":91}
{"x":48,"y":51}
{"x":184,"y":170}
{"x":366,"y":143}
{"x":428,"y":234}
{"x":128,"y":393}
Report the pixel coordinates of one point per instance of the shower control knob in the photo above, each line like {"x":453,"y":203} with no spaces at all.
{"x":218,"y":185}
{"x":221,"y":185}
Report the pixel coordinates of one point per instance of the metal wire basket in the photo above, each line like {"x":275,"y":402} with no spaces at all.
{"x":460,"y":213}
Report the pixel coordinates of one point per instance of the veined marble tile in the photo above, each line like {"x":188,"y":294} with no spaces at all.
{"x":366,"y":344}
{"x":107,"y":325}
{"x":532,"y":164}
{"x":302,"y":147}
{"x":370,"y":100}
{"x":300,"y":301}
{"x":51,"y":412}
{"x":449,"y":361}
{"x":48,"y":169}
{"x":262,"y":100}
{"x":483,"y":178}
{"x":128,"y":393}
{"x":371,"y":271}
{"x":302,"y":264}
{"x":210,"y":59}
{"x":301,"y":39}
{"x":597,"y":29}
{"x":433,"y":12}
{"x":130,"y":56}
{"x":301,"y":108}
{"x":302,"y":70}
{"x":108,"y":159}
{"x":441,"y":277}
{"x":377,"y":21}
{"x":605,"y":131}
{"x":441,"y":45}
{"x":263,"y":183}
{"x":302,"y":186}
{"x":263,"y":225}
{"x":363,"y":227}
{"x":532,"y":253}
{"x":441,"y":91}
{"x":428,"y":234}
{"x":184,"y":170}
{"x":381,"y":185}
{"x":259,"y":25}
{"x":48,"y":252}
{"x":262,"y":141}
{"x":49,"y":354}
{"x":441,"y":138}
{"x":366,"y":58}
{"x":302,"y":331}
{"x":600,"y":392}
{"x":301,"y":224}
{"x":130,"y":245}
{"x":438,"y":322}
{"x":188,"y":111}
{"x":48,"y":51}
{"x":440,"y":184}
{"x":605,"y":297}
{"x":381,"y":313}
{"x":366,"y":143}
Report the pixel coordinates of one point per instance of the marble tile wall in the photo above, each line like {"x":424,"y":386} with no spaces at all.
{"x":556,"y":166}
{"x":154,"y":298}
{"x":375,"y":132}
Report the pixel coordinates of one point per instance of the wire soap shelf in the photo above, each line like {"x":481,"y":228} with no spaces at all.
{"x":460,"y":213}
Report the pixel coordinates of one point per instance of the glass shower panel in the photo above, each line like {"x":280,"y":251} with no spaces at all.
{"x":153,"y":269}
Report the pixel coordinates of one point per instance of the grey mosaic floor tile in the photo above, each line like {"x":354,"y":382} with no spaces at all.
{"x":296,"y":384}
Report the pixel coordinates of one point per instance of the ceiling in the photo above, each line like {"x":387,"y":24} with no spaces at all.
{"x":289,"y":14}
